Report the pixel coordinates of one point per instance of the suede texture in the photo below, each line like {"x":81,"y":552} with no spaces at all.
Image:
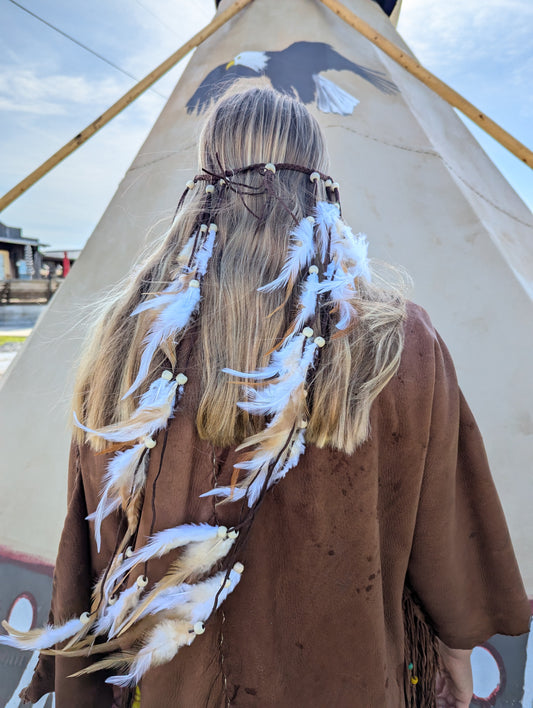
{"x":317,"y":617}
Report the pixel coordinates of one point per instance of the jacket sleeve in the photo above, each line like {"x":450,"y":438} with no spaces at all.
{"x":462,"y":564}
{"x":72,"y":583}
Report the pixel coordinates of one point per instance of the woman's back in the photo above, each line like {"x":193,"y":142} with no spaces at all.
{"x":252,"y":348}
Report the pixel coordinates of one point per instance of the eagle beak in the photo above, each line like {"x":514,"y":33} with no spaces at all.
{"x":230,"y":63}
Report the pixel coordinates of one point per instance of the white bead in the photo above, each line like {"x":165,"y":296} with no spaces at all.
{"x":167,"y":375}
{"x":307,"y":332}
{"x":222,"y":182}
{"x":310,"y":219}
{"x":128,"y":552}
{"x":270,"y":166}
{"x":320,"y":341}
{"x":335,"y":185}
{"x":313,"y":269}
{"x":233,"y":533}
{"x":190,"y":184}
{"x":238,"y":567}
{"x":112,"y":600}
{"x":84,"y":618}
{"x":210,"y":189}
{"x":181,"y":379}
{"x":222,"y":531}
{"x":213,"y":227}
{"x":142,"y":581}
{"x":328,"y":183}
{"x":302,"y":424}
{"x":194,"y":283}
{"x":199,"y":628}
{"x":149,"y":442}
{"x":314,"y":176}
{"x":203,"y":228}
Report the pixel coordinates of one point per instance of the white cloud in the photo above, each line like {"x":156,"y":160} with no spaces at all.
{"x":456,"y":32}
{"x":28,"y":91}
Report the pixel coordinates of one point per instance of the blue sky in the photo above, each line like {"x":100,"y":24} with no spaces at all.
{"x":51,"y":88}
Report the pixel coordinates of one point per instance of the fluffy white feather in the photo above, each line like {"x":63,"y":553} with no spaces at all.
{"x":36,"y":640}
{"x":150,"y":416}
{"x":124,"y":470}
{"x":326,"y":215}
{"x":161,"y":646}
{"x":272,"y":399}
{"x":238,"y":493}
{"x":300,"y":252}
{"x":307,"y":302}
{"x":163,"y":542}
{"x":205,"y":253}
{"x":172,"y":318}
{"x":282,"y":361}
{"x":114,"y":614}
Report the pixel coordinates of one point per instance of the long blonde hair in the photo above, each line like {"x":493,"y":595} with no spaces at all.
{"x":238,"y":326}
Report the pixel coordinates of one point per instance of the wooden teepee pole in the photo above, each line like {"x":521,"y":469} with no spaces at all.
{"x":439,"y":87}
{"x":124,"y":101}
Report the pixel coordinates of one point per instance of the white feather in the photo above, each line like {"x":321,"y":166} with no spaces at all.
{"x":161,"y":646}
{"x":238,"y":493}
{"x":123,"y":471}
{"x":157,"y":401}
{"x":115,"y":613}
{"x":281,"y":362}
{"x":173,"y":318}
{"x":296,"y":451}
{"x":326,"y":215}
{"x":106,"y":506}
{"x":163,"y":542}
{"x":307,"y":302}
{"x":205,"y":252}
{"x":300,"y":252}
{"x":272,"y":399}
{"x":47,"y":638}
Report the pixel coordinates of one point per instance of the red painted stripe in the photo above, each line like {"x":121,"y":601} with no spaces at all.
{"x":34,"y":563}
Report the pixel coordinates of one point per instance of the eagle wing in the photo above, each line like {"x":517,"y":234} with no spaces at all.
{"x":294,"y":67}
{"x":214,"y":85}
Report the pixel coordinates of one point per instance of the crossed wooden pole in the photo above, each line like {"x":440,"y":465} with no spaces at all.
{"x":405,"y":60}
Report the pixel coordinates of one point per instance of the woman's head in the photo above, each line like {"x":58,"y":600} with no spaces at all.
{"x":261,"y":125}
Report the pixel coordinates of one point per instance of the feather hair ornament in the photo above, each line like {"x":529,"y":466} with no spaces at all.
{"x":325,"y":259}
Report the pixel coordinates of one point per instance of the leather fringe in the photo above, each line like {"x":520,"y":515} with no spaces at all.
{"x":421,"y":655}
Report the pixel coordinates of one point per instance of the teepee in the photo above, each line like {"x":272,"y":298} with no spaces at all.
{"x":412,"y":177}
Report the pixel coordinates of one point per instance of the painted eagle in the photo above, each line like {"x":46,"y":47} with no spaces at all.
{"x":296,"y":71}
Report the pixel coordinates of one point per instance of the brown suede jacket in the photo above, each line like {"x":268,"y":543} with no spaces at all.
{"x":317,"y":619}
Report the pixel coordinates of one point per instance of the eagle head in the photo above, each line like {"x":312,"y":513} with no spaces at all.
{"x":256,"y":61}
